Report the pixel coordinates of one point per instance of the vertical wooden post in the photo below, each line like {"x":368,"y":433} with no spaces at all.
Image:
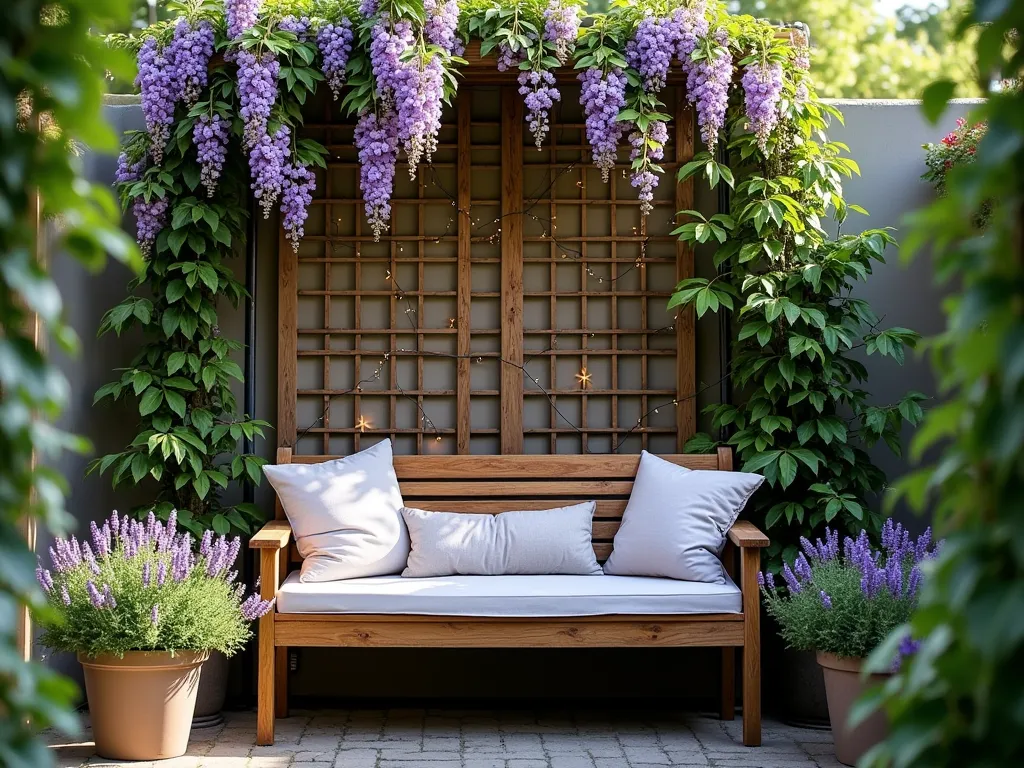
{"x":465,"y":278}
{"x":266,"y":698}
{"x":749,"y":566}
{"x":686,"y":352}
{"x":511,"y":223}
{"x":287,"y":341}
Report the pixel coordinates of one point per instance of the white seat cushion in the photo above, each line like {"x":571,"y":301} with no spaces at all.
{"x":501,"y":596}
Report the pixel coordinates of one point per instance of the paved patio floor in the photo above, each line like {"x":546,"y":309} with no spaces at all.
{"x":485,"y":739}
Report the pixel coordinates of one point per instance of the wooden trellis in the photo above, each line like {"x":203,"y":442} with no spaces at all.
{"x":507,"y":272}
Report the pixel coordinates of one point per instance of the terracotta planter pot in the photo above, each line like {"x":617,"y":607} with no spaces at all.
{"x":843,"y":686}
{"x":141,"y":706}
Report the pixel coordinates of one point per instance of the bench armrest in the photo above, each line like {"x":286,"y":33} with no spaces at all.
{"x":745,"y":534}
{"x":274,"y":535}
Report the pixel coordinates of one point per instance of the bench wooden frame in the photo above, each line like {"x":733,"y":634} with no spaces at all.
{"x":492,"y":484}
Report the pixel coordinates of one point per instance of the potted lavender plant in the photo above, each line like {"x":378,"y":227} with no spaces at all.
{"x":842,"y":606}
{"x":143,"y":610}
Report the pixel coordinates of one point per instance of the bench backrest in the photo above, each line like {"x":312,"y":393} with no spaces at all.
{"x":495,"y":484}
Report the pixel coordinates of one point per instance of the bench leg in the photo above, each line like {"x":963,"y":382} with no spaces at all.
{"x":728,"y":700}
{"x":281,"y":682}
{"x":751,"y":563}
{"x":265,"y":694}
{"x":267,"y":673}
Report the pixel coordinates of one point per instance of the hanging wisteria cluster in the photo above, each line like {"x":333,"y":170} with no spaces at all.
{"x":392,"y":65}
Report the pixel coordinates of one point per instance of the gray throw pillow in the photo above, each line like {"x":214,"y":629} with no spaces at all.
{"x":345,"y":514}
{"x":545,"y":541}
{"x":676,"y":521}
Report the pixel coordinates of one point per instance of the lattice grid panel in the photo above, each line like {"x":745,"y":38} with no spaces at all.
{"x":502,"y":263}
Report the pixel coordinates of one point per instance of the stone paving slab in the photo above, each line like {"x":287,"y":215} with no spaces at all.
{"x":482,"y":739}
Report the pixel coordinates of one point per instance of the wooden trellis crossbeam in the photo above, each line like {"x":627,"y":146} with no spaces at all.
{"x":516,"y":304}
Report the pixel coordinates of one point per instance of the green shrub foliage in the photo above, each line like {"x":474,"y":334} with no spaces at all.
{"x":801,"y":414}
{"x":959,"y":701}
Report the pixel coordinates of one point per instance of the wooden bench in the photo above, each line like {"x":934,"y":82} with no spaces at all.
{"x":494,"y":484}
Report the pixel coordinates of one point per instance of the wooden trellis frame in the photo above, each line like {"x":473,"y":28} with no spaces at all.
{"x":470,"y":148}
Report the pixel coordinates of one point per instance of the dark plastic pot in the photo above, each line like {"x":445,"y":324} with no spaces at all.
{"x":213,"y":688}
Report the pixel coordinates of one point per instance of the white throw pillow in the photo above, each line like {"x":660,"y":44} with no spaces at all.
{"x":345,"y":514}
{"x":676,"y":521}
{"x":545,"y":541}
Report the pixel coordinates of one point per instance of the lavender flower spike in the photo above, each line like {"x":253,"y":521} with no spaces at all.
{"x":826,"y":601}
{"x":791,"y":580}
{"x":44,"y":579}
{"x":254,"y":607}
{"x":108,"y":597}
{"x":154,"y":615}
{"x":64,"y":595}
{"x":94,"y":594}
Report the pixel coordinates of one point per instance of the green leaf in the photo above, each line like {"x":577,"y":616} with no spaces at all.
{"x":760,"y":461}
{"x":176,"y":239}
{"x":787,"y":469}
{"x":140,"y":467}
{"x":201,"y":484}
{"x":175,"y":290}
{"x":221,"y":525}
{"x":175,"y":402}
{"x":934,"y":99}
{"x":175,"y":361}
{"x":150,"y":401}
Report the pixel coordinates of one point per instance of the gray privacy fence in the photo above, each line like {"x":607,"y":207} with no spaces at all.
{"x":884,"y":137}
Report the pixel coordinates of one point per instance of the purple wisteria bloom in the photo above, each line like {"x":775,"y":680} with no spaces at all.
{"x":298,"y":26}
{"x":241,"y":15}
{"x":561,"y":28}
{"x":335,"y":44}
